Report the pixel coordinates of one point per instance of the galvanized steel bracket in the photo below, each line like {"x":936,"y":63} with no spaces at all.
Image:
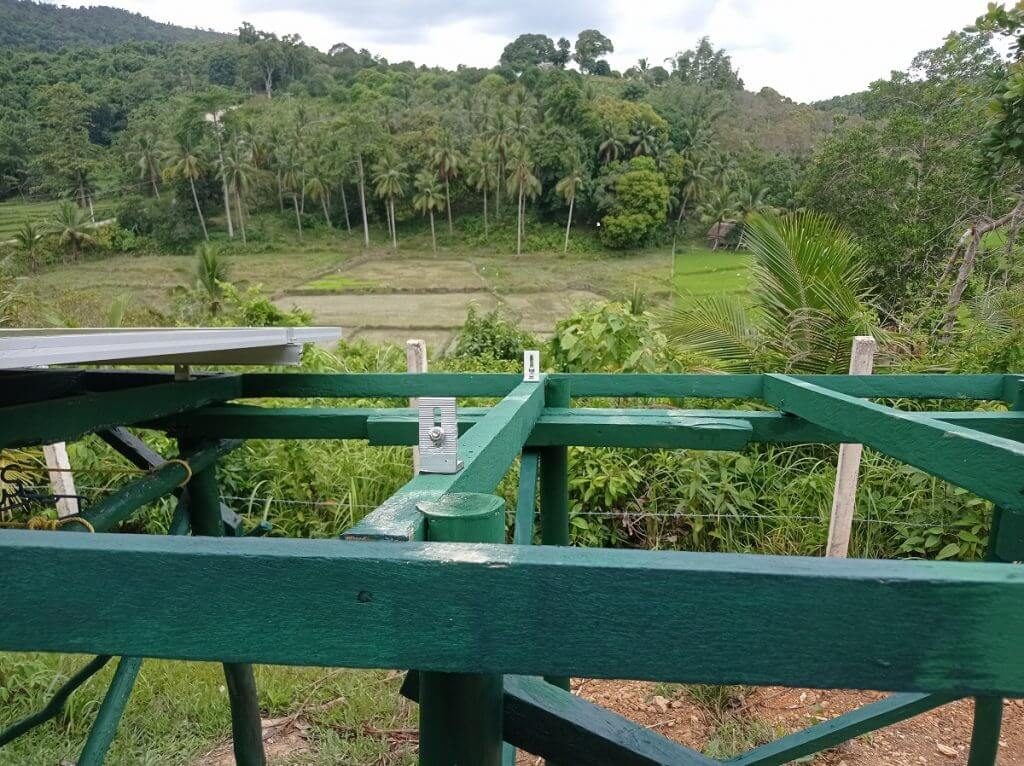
{"x":438,"y":435}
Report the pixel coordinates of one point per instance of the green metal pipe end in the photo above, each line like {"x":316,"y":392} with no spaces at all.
{"x":465,"y":517}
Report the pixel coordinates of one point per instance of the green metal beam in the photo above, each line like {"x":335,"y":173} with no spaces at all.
{"x":70,"y":418}
{"x":842,"y":728}
{"x":580,"y":426}
{"x":990,"y":466}
{"x":526,"y":501}
{"x":487,"y":450}
{"x":401,"y":385}
{"x":101,"y":735}
{"x":162,"y":481}
{"x":550,"y":722}
{"x":921,"y":626}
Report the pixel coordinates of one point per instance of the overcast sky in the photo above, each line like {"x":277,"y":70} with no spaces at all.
{"x":806,"y":49}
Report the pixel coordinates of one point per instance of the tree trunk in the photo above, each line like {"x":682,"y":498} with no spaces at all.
{"x":241,"y":218}
{"x":224,"y":183}
{"x":152,"y":180}
{"x":280,"y":193}
{"x":362,"y":201}
{"x":971,"y":240}
{"x":485,"y":213}
{"x":519,"y":225}
{"x":344,"y":205}
{"x":268,"y":82}
{"x":572,"y":201}
{"x":92,"y":210}
{"x":394,"y":224}
{"x":448,"y":203}
{"x":199,"y":210}
{"x":327,"y":216}
{"x":497,"y":196}
{"x":433,"y":236}
{"x":302,"y":190}
{"x":298,"y":218}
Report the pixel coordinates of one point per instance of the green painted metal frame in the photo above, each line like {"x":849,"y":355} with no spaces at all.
{"x":582,"y":610}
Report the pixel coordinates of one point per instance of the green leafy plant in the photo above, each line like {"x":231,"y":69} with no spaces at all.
{"x":811,"y":296}
{"x":491,"y":335}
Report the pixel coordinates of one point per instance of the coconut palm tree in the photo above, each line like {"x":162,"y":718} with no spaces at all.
{"x":611,"y":148}
{"x":389,"y":179}
{"x":811,"y":295}
{"x":70,"y":224}
{"x":318,"y":187}
{"x":28,"y":238}
{"x":499,"y":138}
{"x":185,"y":162}
{"x":428,"y":198}
{"x":526,"y":186}
{"x":644,"y":139}
{"x":568,"y":186}
{"x":211,"y":274}
{"x":147,"y":156}
{"x":238,"y":174}
{"x":446,"y":159}
{"x":482,"y":174}
{"x":291,"y":181}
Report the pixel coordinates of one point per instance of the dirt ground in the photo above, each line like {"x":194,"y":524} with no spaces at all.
{"x":941,"y":736}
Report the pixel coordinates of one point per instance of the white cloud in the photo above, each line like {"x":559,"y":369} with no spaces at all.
{"x":806,"y":49}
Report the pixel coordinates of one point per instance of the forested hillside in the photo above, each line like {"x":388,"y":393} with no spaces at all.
{"x":46,"y":27}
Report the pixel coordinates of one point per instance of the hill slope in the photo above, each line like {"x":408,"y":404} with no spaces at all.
{"x":45,"y":27}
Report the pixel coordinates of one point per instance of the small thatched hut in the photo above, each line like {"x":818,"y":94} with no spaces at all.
{"x":719,"y":235}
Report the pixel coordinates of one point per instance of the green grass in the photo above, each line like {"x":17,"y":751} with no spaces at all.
{"x":179,"y":712}
{"x":700,"y":271}
{"x":14,"y":213}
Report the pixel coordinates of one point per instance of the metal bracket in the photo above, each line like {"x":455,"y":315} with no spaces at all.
{"x":439,"y":435}
{"x":531,"y":366}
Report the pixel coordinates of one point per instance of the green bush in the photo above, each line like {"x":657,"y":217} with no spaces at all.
{"x":639,"y":206}
{"x":490,"y":335}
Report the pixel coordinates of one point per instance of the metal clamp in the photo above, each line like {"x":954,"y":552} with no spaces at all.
{"x":531,"y":366}
{"x":439,"y":435}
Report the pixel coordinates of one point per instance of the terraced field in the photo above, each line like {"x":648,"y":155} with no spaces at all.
{"x":14,"y":213}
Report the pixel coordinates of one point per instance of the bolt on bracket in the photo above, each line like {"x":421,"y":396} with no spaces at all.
{"x":438,"y":435}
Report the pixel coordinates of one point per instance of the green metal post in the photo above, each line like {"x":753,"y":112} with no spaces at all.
{"x":111,"y":710}
{"x":246,"y":726}
{"x":988,"y":711}
{"x":554,"y":487}
{"x":461,"y":713}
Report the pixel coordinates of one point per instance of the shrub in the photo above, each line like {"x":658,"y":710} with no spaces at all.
{"x":490,"y":335}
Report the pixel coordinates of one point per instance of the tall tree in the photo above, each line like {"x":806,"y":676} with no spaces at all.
{"x":28,"y":238}
{"x":428,"y":198}
{"x":526,"y":186}
{"x":590,"y":46}
{"x":147,"y":157}
{"x":707,"y":66}
{"x":569,"y":186}
{"x":238,"y":174}
{"x":389,"y":180}
{"x":318,"y":186}
{"x":446,"y":159}
{"x":500,"y":139}
{"x":483,"y":173}
{"x":184,"y":161}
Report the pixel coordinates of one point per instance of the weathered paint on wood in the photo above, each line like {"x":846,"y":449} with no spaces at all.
{"x":111,"y":710}
{"x":69,"y":418}
{"x":550,"y":722}
{"x":487,"y":450}
{"x":376,"y":605}
{"x":989,"y":466}
{"x":842,"y":728}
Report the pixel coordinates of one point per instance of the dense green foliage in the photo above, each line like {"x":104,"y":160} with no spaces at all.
{"x":49,"y":27}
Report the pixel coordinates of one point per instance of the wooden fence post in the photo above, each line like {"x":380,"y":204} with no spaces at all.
{"x":844,"y":499}
{"x":415,"y":361}
{"x":62,"y":481}
{"x":461,"y":713}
